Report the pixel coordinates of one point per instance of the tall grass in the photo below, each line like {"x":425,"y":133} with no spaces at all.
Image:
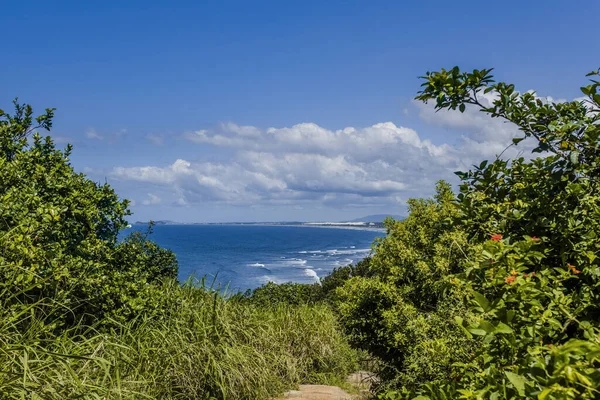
{"x":204,"y":346}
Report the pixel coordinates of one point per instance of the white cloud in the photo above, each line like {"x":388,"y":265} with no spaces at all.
{"x":306,"y":165}
{"x":152,"y":200}
{"x":92,"y":134}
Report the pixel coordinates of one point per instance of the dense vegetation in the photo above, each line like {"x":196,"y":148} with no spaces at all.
{"x":84,"y":315}
{"x":491,"y":293}
{"x":494,"y":293}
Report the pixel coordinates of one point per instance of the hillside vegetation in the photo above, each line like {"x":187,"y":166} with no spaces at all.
{"x":490,"y":293}
{"x":83,"y":315}
{"x":493,"y":293}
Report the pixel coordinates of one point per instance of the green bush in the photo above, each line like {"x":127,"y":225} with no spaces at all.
{"x":401,"y":308}
{"x":340,"y":275}
{"x":59,"y":232}
{"x":273,"y":294}
{"x":493,"y":294}
{"x":534,"y":286}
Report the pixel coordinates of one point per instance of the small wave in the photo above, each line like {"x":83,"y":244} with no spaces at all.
{"x":256,"y":265}
{"x":295,"y":261}
{"x":311,"y":273}
{"x":347,"y":252}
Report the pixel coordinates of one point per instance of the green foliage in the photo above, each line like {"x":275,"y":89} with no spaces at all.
{"x":59,"y":231}
{"x":15,"y":128}
{"x":402,"y":308}
{"x":340,"y":275}
{"x":145,"y":257}
{"x":208,"y":347}
{"x":533,"y":288}
{"x":494,"y":294}
{"x":273,"y":295}
{"x":84,"y":316}
{"x":531,"y":315}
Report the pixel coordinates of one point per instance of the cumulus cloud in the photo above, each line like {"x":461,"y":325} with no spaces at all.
{"x":374,"y":166}
{"x":305,"y":164}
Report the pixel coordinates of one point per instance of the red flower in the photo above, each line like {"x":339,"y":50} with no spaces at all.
{"x":497,"y":237}
{"x":535,"y":238}
{"x":510,"y":279}
{"x":573,"y":269}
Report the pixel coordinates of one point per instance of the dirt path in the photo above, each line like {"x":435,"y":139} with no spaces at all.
{"x":361,"y":381}
{"x":318,"y":392}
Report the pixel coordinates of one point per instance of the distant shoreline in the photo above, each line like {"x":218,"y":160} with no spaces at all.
{"x":376,"y":228}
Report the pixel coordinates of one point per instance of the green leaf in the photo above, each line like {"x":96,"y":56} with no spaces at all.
{"x":517,"y":381}
{"x":503,"y":328}
{"x":482,"y":301}
{"x":477,"y":331}
{"x":460,"y":323}
{"x":462,"y":108}
{"x":545,"y":393}
{"x":510,"y":314}
{"x":518,"y":140}
{"x":486,"y":326}
{"x":574,"y":157}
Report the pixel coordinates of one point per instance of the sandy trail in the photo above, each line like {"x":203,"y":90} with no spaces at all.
{"x":360,"y":380}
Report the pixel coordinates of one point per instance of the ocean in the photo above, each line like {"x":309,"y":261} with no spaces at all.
{"x":247,"y":256}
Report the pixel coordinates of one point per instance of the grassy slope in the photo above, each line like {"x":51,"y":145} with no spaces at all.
{"x":203,"y":347}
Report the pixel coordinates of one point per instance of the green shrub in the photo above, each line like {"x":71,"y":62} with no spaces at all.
{"x":273,"y":294}
{"x":402,"y":305}
{"x":59,"y":232}
{"x":340,"y":275}
{"x":534,"y":286}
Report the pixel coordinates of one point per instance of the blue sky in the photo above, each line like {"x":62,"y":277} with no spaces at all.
{"x":282,"y":110}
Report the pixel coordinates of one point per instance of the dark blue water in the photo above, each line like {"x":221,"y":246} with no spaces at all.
{"x":245,"y":257}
